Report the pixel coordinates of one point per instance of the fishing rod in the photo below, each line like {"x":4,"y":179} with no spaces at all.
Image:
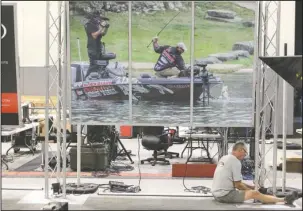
{"x":164,"y":27}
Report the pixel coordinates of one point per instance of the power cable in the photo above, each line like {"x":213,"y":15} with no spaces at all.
{"x":194,"y":189}
{"x":116,"y":186}
{"x":139,"y":160}
{"x":185,"y":173}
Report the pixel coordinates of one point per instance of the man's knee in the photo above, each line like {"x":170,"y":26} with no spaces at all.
{"x":252,"y":194}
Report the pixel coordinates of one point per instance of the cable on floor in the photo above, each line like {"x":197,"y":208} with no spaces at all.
{"x":114,"y":169}
{"x":72,"y":188}
{"x":120,"y":187}
{"x":186,"y":189}
{"x":194,"y":189}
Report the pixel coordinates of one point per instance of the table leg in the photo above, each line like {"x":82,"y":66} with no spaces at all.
{"x":184,"y":148}
{"x":190,"y":149}
{"x":42,"y":153}
{"x":3,"y":161}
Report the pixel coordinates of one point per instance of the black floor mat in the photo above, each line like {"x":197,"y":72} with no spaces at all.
{"x":34,"y":164}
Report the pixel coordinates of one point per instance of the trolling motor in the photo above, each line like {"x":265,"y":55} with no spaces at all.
{"x":199,"y":70}
{"x":204,"y":72}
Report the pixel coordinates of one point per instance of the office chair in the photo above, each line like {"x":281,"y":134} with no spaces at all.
{"x":151,"y":140}
{"x":171,"y":135}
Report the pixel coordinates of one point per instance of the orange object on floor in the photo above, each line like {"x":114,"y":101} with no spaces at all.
{"x":126,"y":131}
{"x":193,"y":170}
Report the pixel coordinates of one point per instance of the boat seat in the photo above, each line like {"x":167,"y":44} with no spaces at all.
{"x":103,"y":61}
{"x":201,"y":64}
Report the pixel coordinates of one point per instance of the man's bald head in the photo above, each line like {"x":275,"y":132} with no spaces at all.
{"x":240,"y":150}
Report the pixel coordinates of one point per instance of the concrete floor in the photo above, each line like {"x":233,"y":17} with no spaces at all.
{"x":159,"y":190}
{"x":171,"y":196}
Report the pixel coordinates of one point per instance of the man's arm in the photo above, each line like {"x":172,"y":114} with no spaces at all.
{"x":158,"y":48}
{"x":180,"y":64}
{"x":94,"y":30}
{"x":237,"y":177}
{"x":250,"y":186}
{"x":242,"y":186}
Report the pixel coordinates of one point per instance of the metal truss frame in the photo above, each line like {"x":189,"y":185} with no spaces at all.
{"x":267,"y":44}
{"x":56,"y":76}
{"x":267,"y":85}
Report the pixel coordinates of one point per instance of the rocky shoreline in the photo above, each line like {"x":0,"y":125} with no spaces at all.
{"x":84,"y":7}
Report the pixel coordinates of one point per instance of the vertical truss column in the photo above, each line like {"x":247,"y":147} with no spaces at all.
{"x":56,"y":76}
{"x":267,"y":83}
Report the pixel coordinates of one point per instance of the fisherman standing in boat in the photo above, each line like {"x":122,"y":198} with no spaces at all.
{"x":170,"y":62}
{"x":95,"y":28}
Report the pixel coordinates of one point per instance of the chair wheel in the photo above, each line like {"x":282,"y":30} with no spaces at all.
{"x":16,"y":150}
{"x":153,"y":164}
{"x":170,"y":156}
{"x":177,"y":155}
{"x":142,"y":162}
{"x":168,"y":163}
{"x":34,"y":149}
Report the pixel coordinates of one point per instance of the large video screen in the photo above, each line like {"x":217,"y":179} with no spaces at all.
{"x":182,"y":64}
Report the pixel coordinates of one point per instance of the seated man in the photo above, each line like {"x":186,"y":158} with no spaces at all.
{"x":227,"y":184}
{"x":170,"y":62}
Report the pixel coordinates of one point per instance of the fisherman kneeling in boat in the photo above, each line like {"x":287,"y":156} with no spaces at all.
{"x":170,"y":62}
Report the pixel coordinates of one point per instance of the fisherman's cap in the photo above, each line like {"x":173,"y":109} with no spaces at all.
{"x":182,"y":46}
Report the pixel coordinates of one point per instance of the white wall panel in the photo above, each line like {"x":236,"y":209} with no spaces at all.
{"x":31,"y":16}
{"x":287,"y":35}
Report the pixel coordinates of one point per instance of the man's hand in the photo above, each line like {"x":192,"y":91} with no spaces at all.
{"x":263,"y":190}
{"x":103,"y":23}
{"x":155,"y":39}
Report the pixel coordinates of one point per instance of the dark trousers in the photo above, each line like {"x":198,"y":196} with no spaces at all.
{"x":93,"y":56}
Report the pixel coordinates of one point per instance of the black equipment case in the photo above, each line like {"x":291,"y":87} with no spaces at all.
{"x":93,"y":157}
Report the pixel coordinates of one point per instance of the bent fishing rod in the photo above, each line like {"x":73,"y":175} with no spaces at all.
{"x":164,"y":27}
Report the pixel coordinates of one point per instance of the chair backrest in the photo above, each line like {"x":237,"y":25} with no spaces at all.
{"x":159,"y":133}
{"x":151,"y":142}
{"x":154,"y":130}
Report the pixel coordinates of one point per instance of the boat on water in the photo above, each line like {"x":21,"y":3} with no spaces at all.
{"x":113,"y":83}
